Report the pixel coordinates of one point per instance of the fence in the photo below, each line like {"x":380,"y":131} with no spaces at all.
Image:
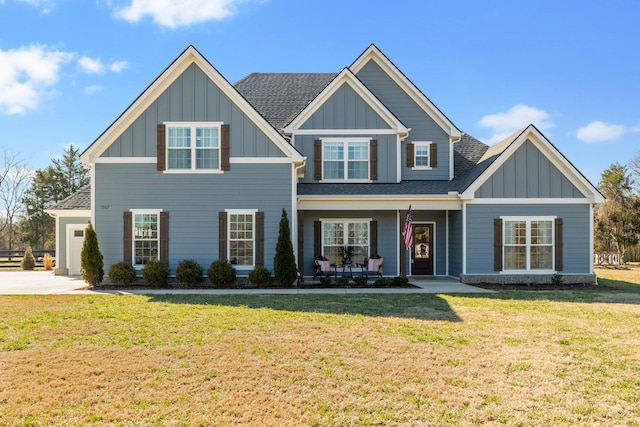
{"x":11,"y":259}
{"x":608,"y":258}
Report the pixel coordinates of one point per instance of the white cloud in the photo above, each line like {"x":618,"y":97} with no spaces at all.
{"x":90,"y":65}
{"x":504,"y":124}
{"x":173,"y":14}
{"x":27,"y":74}
{"x":598,"y":131}
{"x":90,"y":90}
{"x":117,"y":66}
{"x":45,"y":6}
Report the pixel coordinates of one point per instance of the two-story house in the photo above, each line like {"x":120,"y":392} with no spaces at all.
{"x":198,"y":168}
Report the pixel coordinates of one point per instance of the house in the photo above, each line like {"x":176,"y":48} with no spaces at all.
{"x":198,"y":168}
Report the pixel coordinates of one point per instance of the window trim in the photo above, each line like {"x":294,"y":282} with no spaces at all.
{"x":253,"y":213}
{"x":345,"y":221}
{"x":135,"y":212}
{"x":193,"y":147}
{"x":416,"y":145}
{"x":345,"y":141}
{"x":528,"y":245}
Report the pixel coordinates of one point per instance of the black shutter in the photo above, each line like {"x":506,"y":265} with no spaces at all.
{"x":373,"y":159}
{"x":410,"y":155}
{"x":224,"y":148}
{"x":373,"y":238}
{"x":161,"y":152}
{"x":259,"y":238}
{"x":222,"y":235}
{"x":164,"y":237}
{"x":317,"y":239}
{"x":497,"y":244}
{"x":127,"y":220}
{"x":433,"y":155}
{"x":317,"y":160}
{"x":559,"y":245}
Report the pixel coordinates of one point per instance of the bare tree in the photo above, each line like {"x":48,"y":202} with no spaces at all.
{"x":14,"y":180}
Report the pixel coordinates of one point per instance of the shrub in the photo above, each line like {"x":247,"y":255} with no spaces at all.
{"x":48,"y":262}
{"x":221,"y":274}
{"x":383,"y":282}
{"x":155,"y":272}
{"x":91,"y":261}
{"x":260,"y":276}
{"x":360,"y":280}
{"x":28,"y":261}
{"x":342,"y":281}
{"x":326,"y":281}
{"x":189,"y":272}
{"x":557,"y":280}
{"x":400,"y":282}
{"x":284,"y":261}
{"x":122,"y":272}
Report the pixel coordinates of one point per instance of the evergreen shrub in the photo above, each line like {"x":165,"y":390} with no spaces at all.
{"x":91,"y":261}
{"x":260,"y":276}
{"x":122,"y":272}
{"x":28,"y":261}
{"x":221,"y":274}
{"x":189,"y":272}
{"x":155,"y":273}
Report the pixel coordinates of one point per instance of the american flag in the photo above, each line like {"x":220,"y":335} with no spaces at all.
{"x":408,"y":232}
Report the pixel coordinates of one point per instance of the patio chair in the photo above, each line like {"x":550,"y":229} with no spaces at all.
{"x":372,"y":266}
{"x":322,"y":267}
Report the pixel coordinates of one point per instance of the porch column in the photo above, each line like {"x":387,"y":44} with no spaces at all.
{"x":301,"y":243}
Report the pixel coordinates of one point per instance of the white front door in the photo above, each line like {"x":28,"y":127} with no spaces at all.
{"x":75,"y":240}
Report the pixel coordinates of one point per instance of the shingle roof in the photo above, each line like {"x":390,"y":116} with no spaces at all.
{"x":80,"y":200}
{"x":280,"y":97}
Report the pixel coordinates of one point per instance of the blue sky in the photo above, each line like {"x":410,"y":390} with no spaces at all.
{"x":68,"y":68}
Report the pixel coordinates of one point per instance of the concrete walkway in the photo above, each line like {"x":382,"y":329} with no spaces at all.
{"x":45,"y":283}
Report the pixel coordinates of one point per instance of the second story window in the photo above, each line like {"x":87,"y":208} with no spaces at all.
{"x":193,"y":146}
{"x":345,"y":159}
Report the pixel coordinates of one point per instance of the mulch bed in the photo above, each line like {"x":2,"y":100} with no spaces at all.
{"x":541,"y":287}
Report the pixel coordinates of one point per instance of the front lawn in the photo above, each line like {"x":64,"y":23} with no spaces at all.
{"x":515,"y":358}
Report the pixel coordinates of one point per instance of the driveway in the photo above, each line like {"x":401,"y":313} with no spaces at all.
{"x":37,"y":282}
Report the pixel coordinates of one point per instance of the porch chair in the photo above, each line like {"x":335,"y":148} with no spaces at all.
{"x":372,"y":266}
{"x":322,"y":267}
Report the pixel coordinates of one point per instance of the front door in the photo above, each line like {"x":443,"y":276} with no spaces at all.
{"x":422,"y":251}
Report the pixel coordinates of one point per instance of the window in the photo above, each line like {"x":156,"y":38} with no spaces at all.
{"x":241,"y":235}
{"x":421,"y":155}
{"x":338,"y":234}
{"x":528,"y":243}
{"x":193,"y":146}
{"x":346,"y":160}
{"x":146,"y":236}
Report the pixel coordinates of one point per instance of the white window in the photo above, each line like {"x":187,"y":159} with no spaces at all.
{"x":339,"y":234}
{"x":421,"y":155}
{"x":193,"y":146}
{"x":528,"y":243}
{"x":241,"y":237}
{"x":345,"y":159}
{"x":146,"y":236}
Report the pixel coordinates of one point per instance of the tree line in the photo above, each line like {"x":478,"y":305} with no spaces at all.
{"x":25,"y":194}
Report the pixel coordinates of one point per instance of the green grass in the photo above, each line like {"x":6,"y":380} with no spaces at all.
{"x":515,"y":357}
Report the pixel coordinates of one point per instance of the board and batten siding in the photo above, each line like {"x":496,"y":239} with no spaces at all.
{"x":528,"y":174}
{"x":345,"y":109}
{"x":193,"y":97}
{"x":576,"y":217}
{"x":387,"y":154}
{"x":193,"y":202}
{"x":423,"y":127}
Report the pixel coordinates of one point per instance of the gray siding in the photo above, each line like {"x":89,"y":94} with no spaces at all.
{"x":423,"y":127}
{"x":193,"y":202}
{"x":528,"y":174}
{"x":345,"y":109}
{"x":387,"y":154}
{"x":61,"y":257}
{"x":455,"y":243}
{"x":480,"y":233}
{"x":193,"y":97}
{"x":387,"y":236}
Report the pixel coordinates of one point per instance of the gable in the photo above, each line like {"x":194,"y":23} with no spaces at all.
{"x":345,"y":109}
{"x":192,"y":97}
{"x":189,"y":90}
{"x":528,"y":173}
